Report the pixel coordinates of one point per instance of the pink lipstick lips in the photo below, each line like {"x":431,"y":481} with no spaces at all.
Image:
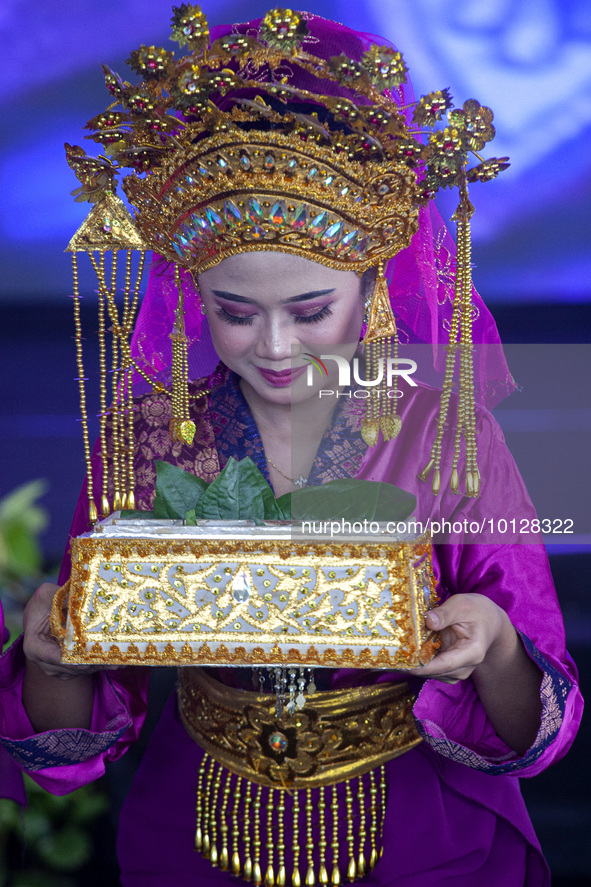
{"x":281,"y":379}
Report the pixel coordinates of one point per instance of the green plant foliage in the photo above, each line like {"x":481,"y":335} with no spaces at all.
{"x":21,"y":521}
{"x":57,"y":833}
{"x":240,"y":492}
{"x":177,"y":491}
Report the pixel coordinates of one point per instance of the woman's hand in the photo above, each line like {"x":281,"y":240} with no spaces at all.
{"x":473,"y":630}
{"x":52,"y":704}
{"x":39,"y":644}
{"x":479,"y":641}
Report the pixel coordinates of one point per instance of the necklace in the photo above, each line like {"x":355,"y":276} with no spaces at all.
{"x":300,"y":481}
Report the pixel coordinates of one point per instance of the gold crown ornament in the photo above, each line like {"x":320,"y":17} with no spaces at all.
{"x":226,"y":156}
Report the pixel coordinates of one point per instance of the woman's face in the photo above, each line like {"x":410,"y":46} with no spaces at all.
{"x":266,"y":310}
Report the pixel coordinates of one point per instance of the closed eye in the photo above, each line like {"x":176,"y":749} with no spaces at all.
{"x":236,"y":319}
{"x":313,"y":318}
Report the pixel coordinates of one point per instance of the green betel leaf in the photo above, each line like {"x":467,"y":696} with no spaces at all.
{"x":239,"y":492}
{"x":177,"y":491}
{"x":350,"y":499}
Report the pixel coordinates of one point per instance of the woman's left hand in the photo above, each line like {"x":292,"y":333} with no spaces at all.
{"x":475,"y":632}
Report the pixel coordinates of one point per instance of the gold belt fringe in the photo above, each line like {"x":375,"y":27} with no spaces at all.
{"x":255,"y":763}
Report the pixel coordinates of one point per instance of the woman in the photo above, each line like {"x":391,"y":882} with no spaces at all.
{"x":498,"y":700}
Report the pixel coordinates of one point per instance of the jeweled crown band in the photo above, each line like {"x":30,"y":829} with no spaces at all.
{"x":234,"y":196}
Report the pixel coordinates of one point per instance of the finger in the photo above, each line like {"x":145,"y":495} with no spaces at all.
{"x":462,"y":657}
{"x":452,"y":612}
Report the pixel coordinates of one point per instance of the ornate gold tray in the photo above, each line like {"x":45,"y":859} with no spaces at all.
{"x":233,"y":593}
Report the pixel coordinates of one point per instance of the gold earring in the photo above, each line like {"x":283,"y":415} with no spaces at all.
{"x":182,"y":428}
{"x":381,"y":348}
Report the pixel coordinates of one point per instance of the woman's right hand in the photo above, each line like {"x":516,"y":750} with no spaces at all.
{"x":40,"y":645}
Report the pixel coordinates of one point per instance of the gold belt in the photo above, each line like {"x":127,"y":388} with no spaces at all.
{"x":256,"y":765}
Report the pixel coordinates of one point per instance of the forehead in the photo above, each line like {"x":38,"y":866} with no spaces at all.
{"x":249,"y":272}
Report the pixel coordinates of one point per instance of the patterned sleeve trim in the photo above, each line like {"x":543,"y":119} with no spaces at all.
{"x":554,"y":691}
{"x":59,"y":748}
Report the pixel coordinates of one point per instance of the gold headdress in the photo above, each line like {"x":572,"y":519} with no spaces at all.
{"x":229,"y":157}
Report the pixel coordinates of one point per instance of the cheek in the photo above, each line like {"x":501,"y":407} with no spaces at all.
{"x":230,"y":342}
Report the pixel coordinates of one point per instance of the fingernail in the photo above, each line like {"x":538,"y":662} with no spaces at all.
{"x":433,"y":619}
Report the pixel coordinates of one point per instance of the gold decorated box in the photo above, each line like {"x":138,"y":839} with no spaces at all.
{"x":234,"y":593}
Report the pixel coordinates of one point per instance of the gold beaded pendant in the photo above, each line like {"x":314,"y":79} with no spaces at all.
{"x":381,"y":347}
{"x":460,"y":339}
{"x":109,"y":228}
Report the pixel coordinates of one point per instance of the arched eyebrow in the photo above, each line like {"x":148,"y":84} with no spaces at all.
{"x":303,"y":297}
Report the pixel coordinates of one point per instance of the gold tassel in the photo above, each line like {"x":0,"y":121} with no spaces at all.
{"x":460,"y":339}
{"x":381,"y":345}
{"x":109,"y":227}
{"x":214,"y":821}
{"x":182,"y":428}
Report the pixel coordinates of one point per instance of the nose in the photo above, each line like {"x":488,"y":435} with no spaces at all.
{"x":278,"y":340}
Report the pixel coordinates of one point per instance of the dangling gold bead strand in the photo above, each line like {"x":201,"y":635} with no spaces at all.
{"x":322,"y":872}
{"x":383,"y":787}
{"x":256,"y":867}
{"x":373,"y":826}
{"x":235,"y":828}
{"x":270,"y":872}
{"x":334,"y":807}
{"x":295,"y":847}
{"x":207,"y":809}
{"x":247,"y":873}
{"x":281,"y":874}
{"x":199,"y":810}
{"x":310,"y":878}
{"x":92,"y":510}
{"x":224,"y":855}
{"x":352,"y":866}
{"x":128,"y":447}
{"x":362,"y":833}
{"x":213,"y":818}
{"x":105,"y":505}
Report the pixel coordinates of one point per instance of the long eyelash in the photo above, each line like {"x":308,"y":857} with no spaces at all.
{"x":314,"y":318}
{"x":232,"y":318}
